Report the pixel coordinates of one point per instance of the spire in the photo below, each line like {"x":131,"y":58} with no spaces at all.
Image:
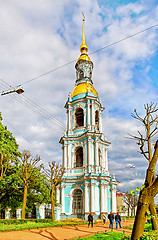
{"x":83,"y":47}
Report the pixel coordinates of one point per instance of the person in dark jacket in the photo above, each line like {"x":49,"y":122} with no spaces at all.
{"x":90,"y":220}
{"x":118,"y":220}
{"x":111,"y":219}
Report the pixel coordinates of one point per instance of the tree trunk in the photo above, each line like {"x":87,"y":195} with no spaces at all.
{"x":153,"y":215}
{"x":24,"y":201}
{"x":52,"y":205}
{"x":142,"y":208}
{"x":128,"y":210}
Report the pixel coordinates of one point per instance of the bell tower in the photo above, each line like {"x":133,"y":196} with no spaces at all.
{"x":87,"y":185}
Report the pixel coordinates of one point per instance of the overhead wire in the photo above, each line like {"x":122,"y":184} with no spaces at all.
{"x":8,"y":123}
{"x":2,"y":85}
{"x":100,"y":49}
{"x":37,"y":109}
{"x":30,"y":143}
{"x":33,"y":106}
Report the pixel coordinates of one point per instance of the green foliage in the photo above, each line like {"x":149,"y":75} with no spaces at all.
{"x":157,"y":209}
{"x":13,"y":221}
{"x":11,"y":176}
{"x":148,"y":226}
{"x":8,"y":147}
{"x":11,"y":189}
{"x":38,"y":189}
{"x":152,"y":235}
{"x":137,"y":190}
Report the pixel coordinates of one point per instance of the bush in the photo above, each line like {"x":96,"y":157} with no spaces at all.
{"x":152,"y":235}
{"x":43,"y":220}
{"x":20,"y":224}
{"x":13,"y":221}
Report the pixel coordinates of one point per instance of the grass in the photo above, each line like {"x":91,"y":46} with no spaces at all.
{"x":17,"y":225}
{"x":108,"y":235}
{"x":148,"y":227}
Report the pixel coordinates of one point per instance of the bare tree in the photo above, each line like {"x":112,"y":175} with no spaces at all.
{"x":150,"y":187}
{"x":131,"y":202}
{"x":54,"y":174}
{"x":28,"y":174}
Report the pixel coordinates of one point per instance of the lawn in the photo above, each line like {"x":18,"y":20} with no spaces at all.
{"x":108,"y":235}
{"x":148,"y":234}
{"x":17,"y":225}
{"x":148,"y":227}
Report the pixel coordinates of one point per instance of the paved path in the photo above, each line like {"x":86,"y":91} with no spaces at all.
{"x":61,"y":233}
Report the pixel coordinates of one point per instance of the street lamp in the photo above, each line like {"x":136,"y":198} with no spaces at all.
{"x":19,"y":89}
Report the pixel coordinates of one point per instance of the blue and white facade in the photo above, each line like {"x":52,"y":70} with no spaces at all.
{"x":87,"y":185}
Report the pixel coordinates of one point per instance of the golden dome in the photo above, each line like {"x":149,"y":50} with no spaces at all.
{"x":84,"y":88}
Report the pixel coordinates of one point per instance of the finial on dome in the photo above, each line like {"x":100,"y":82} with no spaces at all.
{"x":83,"y":47}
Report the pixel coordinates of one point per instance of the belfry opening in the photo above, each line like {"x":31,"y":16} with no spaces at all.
{"x":79,"y":117}
{"x":79,"y":157}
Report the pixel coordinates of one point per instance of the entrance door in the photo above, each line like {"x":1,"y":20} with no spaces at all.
{"x":77,"y":205}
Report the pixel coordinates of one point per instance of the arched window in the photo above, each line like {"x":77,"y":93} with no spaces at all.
{"x":97,"y":119}
{"x":81,"y":74}
{"x":79,"y":117}
{"x":77,"y":204}
{"x":79,"y":157}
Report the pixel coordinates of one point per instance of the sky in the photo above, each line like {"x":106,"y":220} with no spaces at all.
{"x":38,"y":37}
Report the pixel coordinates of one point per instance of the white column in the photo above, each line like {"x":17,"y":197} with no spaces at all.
{"x":85,"y":155}
{"x":102,"y":198}
{"x":86,"y":198}
{"x":89,"y":152}
{"x":42,"y":211}
{"x":96,"y":153}
{"x":58,"y":194}
{"x":92,"y":198}
{"x":68,"y":117}
{"x":8,"y":213}
{"x":100,"y":123}
{"x":88,"y":115}
{"x":19,"y":213}
{"x":93,"y":114}
{"x":106,"y":159}
{"x":106,"y":198}
{"x":69,"y":155}
{"x":69,"y":121}
{"x":65,"y":155}
{"x":113,"y":199}
{"x":103,"y":158}
{"x":63,"y":199}
{"x":70,"y":201}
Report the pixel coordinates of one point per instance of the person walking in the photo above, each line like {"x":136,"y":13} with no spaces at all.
{"x":90,"y":220}
{"x":111,"y":219}
{"x":118,"y":220}
{"x":104,"y":218}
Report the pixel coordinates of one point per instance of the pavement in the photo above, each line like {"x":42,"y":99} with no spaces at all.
{"x":63,"y":233}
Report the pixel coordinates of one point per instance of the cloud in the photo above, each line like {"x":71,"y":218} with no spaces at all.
{"x":36,"y":38}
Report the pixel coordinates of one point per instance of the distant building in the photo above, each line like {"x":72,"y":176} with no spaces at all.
{"x":126,"y":206}
{"x":87,"y":185}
